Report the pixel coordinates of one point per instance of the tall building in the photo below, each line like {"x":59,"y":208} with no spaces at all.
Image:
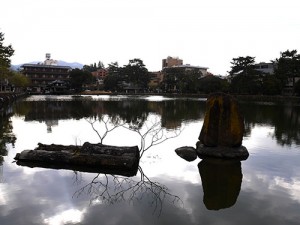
{"x":47,"y":76}
{"x":170,"y":62}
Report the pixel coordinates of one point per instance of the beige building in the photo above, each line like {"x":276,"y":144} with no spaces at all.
{"x":170,"y":62}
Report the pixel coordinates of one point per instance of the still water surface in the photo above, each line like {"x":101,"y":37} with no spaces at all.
{"x":264,"y":189}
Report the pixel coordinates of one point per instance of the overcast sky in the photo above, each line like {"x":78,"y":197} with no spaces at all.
{"x":203,"y":33}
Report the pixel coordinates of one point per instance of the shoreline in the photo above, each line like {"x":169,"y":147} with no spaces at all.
{"x":256,"y":98}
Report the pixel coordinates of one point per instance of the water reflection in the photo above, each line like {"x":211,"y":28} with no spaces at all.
{"x":131,"y":110}
{"x":6,"y":134}
{"x":269,"y":194}
{"x":111,"y":189}
{"x":221,"y":182}
{"x":285,"y":118}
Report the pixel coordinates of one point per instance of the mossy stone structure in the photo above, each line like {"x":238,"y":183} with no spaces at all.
{"x":223,"y":124}
{"x":222,"y":132}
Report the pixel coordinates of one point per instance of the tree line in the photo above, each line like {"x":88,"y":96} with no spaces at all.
{"x":243,"y":78}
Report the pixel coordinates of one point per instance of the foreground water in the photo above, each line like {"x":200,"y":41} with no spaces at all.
{"x":264,"y":189}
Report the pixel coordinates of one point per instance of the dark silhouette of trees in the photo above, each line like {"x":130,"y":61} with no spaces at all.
{"x":244,"y":78}
{"x":93,"y":67}
{"x":288,"y":68}
{"x":178,"y":79}
{"x":133,"y":74}
{"x":211,"y":84}
{"x":78,"y":78}
{"x":136,"y":73}
{"x":5,"y":53}
{"x":6,"y":133}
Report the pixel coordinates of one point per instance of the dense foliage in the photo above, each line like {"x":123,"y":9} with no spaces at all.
{"x":288,"y":68}
{"x":5,"y":53}
{"x":79,"y":78}
{"x":133,"y":75}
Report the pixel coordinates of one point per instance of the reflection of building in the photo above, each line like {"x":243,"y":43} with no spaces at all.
{"x":43,"y":74}
{"x":50,"y":124}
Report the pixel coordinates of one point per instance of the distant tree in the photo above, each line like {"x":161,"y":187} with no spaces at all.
{"x":5,"y":53}
{"x":18,"y":80}
{"x":245,"y":79}
{"x":172,"y":76}
{"x":80,"y":77}
{"x":93,"y":67}
{"x":136,"y":73}
{"x":113,"y":68}
{"x":288,"y":67}
{"x":113,"y":77}
{"x":243,"y":66}
{"x":297,"y":88}
{"x":212,"y":83}
{"x":111,"y":82}
{"x":271,"y":85}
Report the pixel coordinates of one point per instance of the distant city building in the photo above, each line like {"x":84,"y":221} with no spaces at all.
{"x":198,"y":69}
{"x":267,"y":68}
{"x":170,"y":62}
{"x":189,"y":68}
{"x":47,"y":76}
{"x":49,"y":61}
{"x":100,"y":74}
{"x":155,"y":79}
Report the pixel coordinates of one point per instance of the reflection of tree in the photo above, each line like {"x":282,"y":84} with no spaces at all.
{"x":129,"y":110}
{"x":174,"y":112}
{"x":110,"y":189}
{"x":6,"y":135}
{"x":285,"y":118}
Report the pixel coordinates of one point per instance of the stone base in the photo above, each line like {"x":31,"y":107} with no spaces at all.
{"x":238,"y":153}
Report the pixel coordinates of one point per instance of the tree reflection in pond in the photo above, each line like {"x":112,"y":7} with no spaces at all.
{"x":6,"y":134}
{"x":110,"y":189}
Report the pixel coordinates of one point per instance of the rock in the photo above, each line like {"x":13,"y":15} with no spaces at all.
{"x":223,"y":123}
{"x":239,"y":153}
{"x":187,"y":153}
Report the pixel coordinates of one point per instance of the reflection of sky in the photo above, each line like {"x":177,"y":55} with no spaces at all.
{"x":270,"y":192}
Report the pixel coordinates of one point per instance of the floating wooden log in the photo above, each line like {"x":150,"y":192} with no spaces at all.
{"x":96,"y":158}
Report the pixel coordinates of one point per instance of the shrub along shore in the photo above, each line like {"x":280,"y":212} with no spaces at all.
{"x":7,"y":98}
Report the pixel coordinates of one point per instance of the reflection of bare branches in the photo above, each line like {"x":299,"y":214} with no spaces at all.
{"x":106,"y":188}
{"x":107,"y":128}
{"x":111,"y":189}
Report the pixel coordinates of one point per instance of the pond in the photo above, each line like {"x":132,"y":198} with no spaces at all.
{"x":264,"y":189}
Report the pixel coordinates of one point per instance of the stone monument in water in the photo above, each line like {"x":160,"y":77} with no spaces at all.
{"x":222,"y":132}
